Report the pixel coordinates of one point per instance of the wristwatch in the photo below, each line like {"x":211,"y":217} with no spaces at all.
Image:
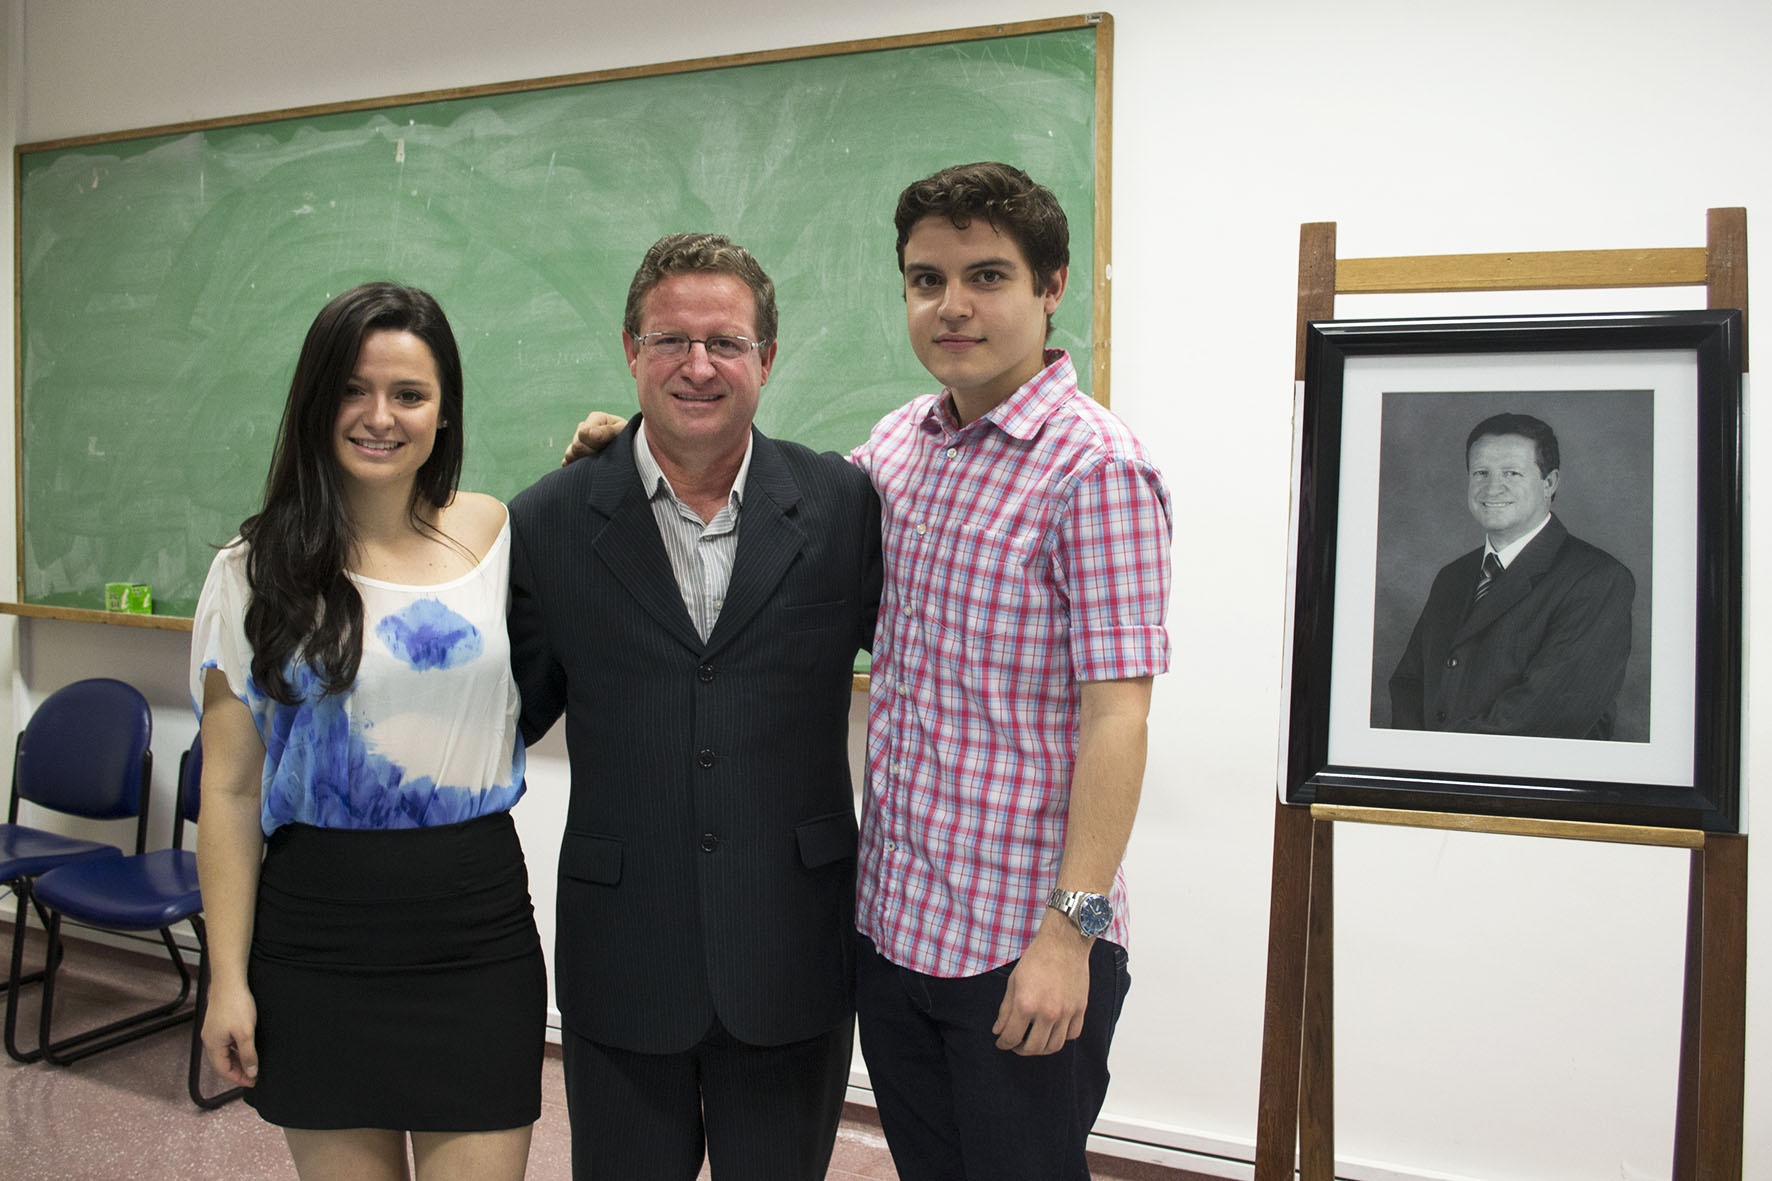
{"x":1093,"y":913}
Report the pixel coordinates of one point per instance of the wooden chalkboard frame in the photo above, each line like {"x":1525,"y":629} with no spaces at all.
{"x":1098,"y":224}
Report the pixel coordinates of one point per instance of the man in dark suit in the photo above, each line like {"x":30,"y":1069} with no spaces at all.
{"x":1529,"y":633}
{"x":693,"y":599}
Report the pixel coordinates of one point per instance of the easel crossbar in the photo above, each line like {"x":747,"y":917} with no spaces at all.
{"x":1549,"y":270}
{"x":1568,"y":830}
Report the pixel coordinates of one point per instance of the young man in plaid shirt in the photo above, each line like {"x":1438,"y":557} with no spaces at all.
{"x":1027,"y":538}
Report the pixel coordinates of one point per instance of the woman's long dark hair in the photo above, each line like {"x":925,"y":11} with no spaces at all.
{"x":302,"y":603}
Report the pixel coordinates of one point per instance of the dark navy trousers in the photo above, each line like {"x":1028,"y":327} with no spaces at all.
{"x":952,"y":1105}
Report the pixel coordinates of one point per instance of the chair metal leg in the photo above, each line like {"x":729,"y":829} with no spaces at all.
{"x":18,"y":935}
{"x":16,"y":977}
{"x":115,"y":1033}
{"x":207,"y":1102}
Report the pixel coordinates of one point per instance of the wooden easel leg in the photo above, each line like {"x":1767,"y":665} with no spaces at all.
{"x":1725,"y":263}
{"x":1276,"y":1124}
{"x":1722,"y":1031}
{"x":1686,"y":1108}
{"x":1316,"y":1121}
{"x":1713,"y":1032}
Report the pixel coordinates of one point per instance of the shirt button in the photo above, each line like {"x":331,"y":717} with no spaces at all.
{"x":922,"y":529}
{"x":705,"y":757}
{"x":905,"y":610}
{"x":709,"y":842}
{"x":705,"y":673}
{"x":891,"y":846}
{"x":953,"y":452}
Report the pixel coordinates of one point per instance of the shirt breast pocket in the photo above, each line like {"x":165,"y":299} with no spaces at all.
{"x":982,"y":593}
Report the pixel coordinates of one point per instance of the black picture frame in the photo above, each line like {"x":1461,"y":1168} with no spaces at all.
{"x":1650,"y":467}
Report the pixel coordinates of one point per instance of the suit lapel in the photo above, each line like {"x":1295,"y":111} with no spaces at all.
{"x":1516,"y":581}
{"x":629,"y":544}
{"x":769,"y":539}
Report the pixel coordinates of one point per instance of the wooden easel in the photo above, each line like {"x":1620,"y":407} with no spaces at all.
{"x":1297,"y":1053}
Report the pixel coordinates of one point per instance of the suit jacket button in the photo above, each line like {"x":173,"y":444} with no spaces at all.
{"x":709,"y":842}
{"x":1439,"y":715}
{"x":1451,"y":662}
{"x":705,"y":758}
{"x":705,"y":673}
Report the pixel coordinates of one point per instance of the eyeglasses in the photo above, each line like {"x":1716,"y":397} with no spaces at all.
{"x":674,"y":346}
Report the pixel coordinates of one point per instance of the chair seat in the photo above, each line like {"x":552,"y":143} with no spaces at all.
{"x":145,"y":892}
{"x":26,"y":852}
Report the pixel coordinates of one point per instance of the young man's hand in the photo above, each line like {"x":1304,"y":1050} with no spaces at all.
{"x":596,"y":432}
{"x":1048,"y":991}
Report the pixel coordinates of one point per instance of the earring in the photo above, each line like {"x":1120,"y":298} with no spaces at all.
{"x":443,"y":423}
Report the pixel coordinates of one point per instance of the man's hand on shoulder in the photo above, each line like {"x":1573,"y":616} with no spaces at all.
{"x":1048,"y":991}
{"x":596,"y":432}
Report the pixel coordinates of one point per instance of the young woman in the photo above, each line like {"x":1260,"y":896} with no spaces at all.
{"x":375,"y":968}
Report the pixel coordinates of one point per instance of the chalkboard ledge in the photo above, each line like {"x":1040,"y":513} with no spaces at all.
{"x":171,"y":623}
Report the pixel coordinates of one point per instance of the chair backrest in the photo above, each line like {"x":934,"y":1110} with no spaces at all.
{"x":190,"y":790}
{"x":85,"y":752}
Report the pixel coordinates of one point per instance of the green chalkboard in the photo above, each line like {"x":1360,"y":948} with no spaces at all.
{"x":167,"y":278}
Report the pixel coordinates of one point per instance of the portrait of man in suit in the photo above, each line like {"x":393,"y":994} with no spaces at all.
{"x":1530,"y":632}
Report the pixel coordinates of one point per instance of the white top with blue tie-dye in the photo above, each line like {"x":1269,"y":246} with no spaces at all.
{"x":427,"y":735}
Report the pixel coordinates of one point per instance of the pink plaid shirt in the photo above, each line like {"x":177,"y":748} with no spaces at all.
{"x":1025,"y":552}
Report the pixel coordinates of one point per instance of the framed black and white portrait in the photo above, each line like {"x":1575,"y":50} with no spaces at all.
{"x":1517,"y":568}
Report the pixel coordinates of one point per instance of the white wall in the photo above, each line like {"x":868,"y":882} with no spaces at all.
{"x":1508,"y":1008}
{"x":12,"y":54}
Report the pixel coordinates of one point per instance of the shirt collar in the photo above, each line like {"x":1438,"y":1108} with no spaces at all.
{"x":1507,"y":553}
{"x":1023,"y":413}
{"x":656,"y":483}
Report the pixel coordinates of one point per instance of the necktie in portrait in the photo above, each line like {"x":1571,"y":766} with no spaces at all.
{"x":1491,"y":571}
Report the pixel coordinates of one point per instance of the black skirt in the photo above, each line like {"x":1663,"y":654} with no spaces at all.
{"x":399,"y":979}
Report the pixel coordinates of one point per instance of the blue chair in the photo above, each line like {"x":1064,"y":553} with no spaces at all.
{"x":83,"y":753}
{"x":147,"y":892}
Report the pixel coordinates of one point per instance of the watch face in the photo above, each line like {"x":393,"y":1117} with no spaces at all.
{"x":1094,"y":914}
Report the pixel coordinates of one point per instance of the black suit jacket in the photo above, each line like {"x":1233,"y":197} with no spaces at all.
{"x":708,"y":862}
{"x":1543,"y":653}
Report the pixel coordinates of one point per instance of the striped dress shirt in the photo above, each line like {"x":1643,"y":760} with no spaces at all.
{"x":701,"y":552}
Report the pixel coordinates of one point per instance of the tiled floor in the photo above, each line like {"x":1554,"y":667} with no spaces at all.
{"x":124,"y":1113}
